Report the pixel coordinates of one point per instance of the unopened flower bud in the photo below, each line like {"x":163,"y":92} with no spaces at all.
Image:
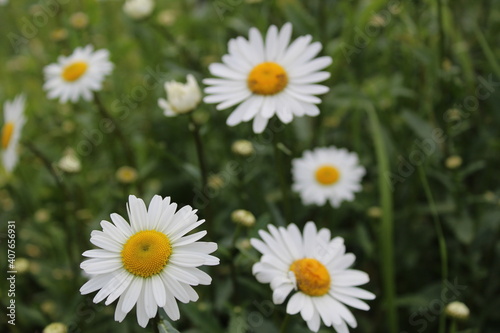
{"x":243,"y":217}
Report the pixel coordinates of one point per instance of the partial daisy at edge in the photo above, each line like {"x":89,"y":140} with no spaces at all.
{"x":150,"y":262}
{"x":327,"y":174}
{"x":11,"y":130}
{"x":314,"y":269}
{"x":268,"y":76}
{"x":77,"y":75}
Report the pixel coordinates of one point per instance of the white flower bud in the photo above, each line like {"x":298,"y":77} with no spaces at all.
{"x":457,"y":310}
{"x":138,"y":9}
{"x":69,"y":162}
{"x":56,"y":328}
{"x":182,"y":98}
{"x":243,"y":217}
{"x":242,"y":148}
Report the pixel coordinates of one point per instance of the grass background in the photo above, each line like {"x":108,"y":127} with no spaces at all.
{"x":420,"y":64}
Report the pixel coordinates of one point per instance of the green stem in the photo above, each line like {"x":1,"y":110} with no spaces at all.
{"x":195,"y":129}
{"x":125,"y":142}
{"x":386,"y":228}
{"x":487,"y":50}
{"x":442,"y":242}
{"x":66,"y":198}
{"x":441,"y":30}
{"x":183,"y":51}
{"x":278,"y":158}
{"x":453,"y":326}
{"x":234,"y":272}
{"x":156,"y":322}
{"x":129,"y":153}
{"x":200,"y":152}
{"x":284,"y":325}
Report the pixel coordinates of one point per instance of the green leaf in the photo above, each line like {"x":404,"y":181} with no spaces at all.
{"x":164,"y":326}
{"x":422,"y":128}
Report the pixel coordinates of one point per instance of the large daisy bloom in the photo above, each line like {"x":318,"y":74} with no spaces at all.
{"x":150,"y":262}
{"x":323,"y":174}
{"x":315,"y":269}
{"x":268,"y":77}
{"x":13,"y":122}
{"x":77,"y":75}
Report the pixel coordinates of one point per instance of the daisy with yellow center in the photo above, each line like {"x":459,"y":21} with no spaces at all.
{"x":150,"y":262}
{"x":315,"y":269}
{"x":77,"y":75}
{"x":268,"y":77}
{"x":327,"y":174}
{"x":10,"y":131}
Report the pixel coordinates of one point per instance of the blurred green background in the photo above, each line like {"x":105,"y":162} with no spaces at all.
{"x":429,"y":68}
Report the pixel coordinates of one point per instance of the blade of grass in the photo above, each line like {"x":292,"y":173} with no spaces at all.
{"x":442,"y":242}
{"x":386,"y":235}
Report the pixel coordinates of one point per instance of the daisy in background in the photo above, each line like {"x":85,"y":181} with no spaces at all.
{"x":13,"y":122}
{"x":268,"y":77}
{"x":315,"y":269}
{"x":323,"y":174}
{"x":77,"y":75}
{"x":150,"y":262}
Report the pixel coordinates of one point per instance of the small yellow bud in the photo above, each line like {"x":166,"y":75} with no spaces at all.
{"x":243,"y":217}
{"x":126,"y":175}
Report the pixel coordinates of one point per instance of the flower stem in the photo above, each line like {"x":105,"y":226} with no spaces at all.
{"x":284,"y":325}
{"x":156,"y":323}
{"x":386,"y":235}
{"x":453,"y":326}
{"x":442,"y":242}
{"x":129,"y":152}
{"x":202,"y":161}
{"x":279,"y":162}
{"x":66,"y":197}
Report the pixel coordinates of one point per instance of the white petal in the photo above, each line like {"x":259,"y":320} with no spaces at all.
{"x":281,"y":293}
{"x":295,"y":303}
{"x":131,"y":295}
{"x":259,"y":123}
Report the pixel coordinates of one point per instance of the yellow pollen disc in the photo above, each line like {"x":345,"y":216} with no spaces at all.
{"x":327,"y":175}
{"x":73,"y":71}
{"x":312,"y":276}
{"x":146,"y":253}
{"x":7,"y":131}
{"x":267,"y":78}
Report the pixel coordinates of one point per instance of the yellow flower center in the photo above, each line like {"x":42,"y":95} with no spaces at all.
{"x":312,"y":276}
{"x":146,"y":253}
{"x":74,"y":71}
{"x":7,"y":131}
{"x":267,"y":78}
{"x":327,"y":175}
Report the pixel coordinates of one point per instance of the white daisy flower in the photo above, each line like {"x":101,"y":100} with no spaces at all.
{"x":327,"y":174}
{"x":77,"y":75}
{"x":149,"y":262}
{"x":268,"y":77}
{"x":314,"y":268}
{"x":13,"y":122}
